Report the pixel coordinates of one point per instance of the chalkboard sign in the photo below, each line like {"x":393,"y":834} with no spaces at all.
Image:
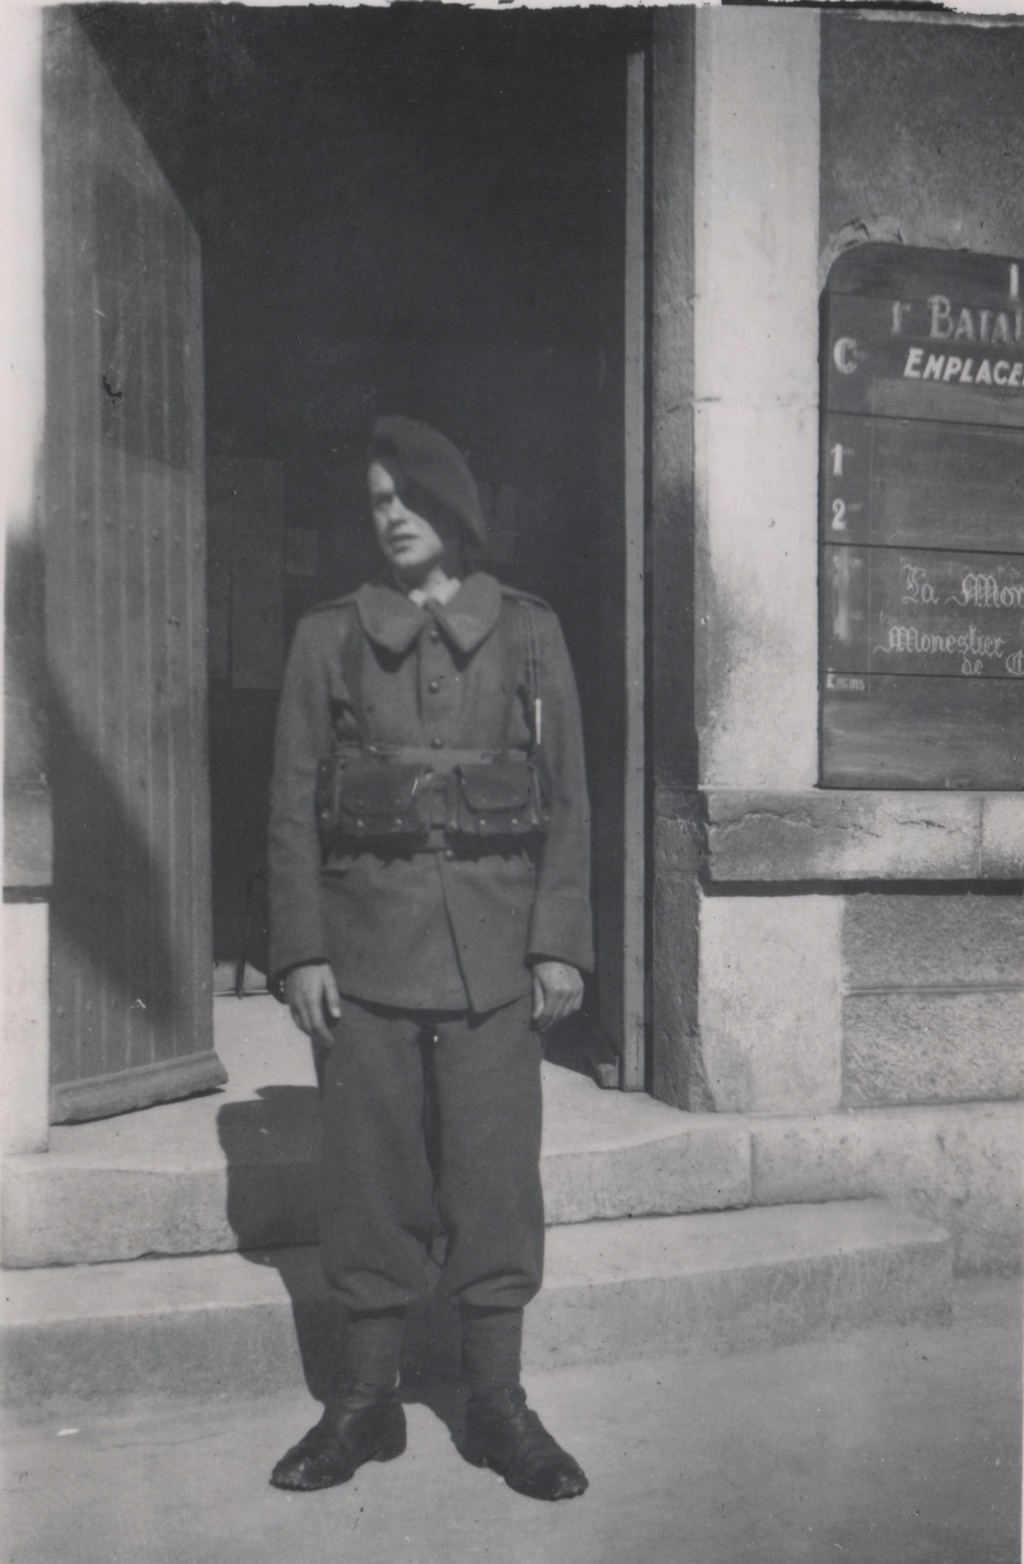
{"x":922,"y":520}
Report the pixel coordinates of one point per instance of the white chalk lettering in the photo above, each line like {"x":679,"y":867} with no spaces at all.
{"x":909,"y":640}
{"x":902,"y":638}
{"x":912,"y":368}
{"x":1001,"y":329}
{"x":916,"y":586}
{"x":939,"y":366}
{"x":899,"y":309}
{"x":845,"y":355}
{"x":981,"y":590}
{"x":964,"y":327}
{"x":942,"y":317}
{"x":962,"y":323}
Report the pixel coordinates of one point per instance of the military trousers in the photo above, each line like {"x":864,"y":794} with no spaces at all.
{"x":432,"y":1125}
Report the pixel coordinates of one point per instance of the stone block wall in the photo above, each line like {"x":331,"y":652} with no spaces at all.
{"x":835,"y":949}
{"x":858,"y":950}
{"x":933,"y":982}
{"x":811,"y":1003}
{"x":769,"y":1009}
{"x":933,"y":998}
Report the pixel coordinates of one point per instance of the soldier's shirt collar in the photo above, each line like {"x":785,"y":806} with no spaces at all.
{"x":394,"y":621}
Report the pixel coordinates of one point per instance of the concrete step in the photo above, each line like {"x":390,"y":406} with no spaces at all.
{"x":237,"y":1169}
{"x":253,"y":1323}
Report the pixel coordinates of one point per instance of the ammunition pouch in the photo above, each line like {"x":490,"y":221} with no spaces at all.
{"x":504,"y":798}
{"x":361,"y":801}
{"x":404,"y":799}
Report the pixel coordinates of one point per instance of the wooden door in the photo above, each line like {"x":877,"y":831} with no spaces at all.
{"x":620,"y":808}
{"x":131,"y":981}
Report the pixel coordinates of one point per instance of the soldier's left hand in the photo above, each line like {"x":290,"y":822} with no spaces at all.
{"x":557,"y":993}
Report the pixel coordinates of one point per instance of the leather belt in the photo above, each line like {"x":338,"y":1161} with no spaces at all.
{"x":436,"y":842}
{"x":440,"y":760}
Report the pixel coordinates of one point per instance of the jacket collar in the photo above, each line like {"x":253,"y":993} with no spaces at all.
{"x":393,"y":621}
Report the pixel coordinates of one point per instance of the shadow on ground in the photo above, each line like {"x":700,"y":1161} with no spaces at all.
{"x":271,"y":1148}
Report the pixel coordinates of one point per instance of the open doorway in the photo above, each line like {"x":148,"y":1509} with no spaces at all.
{"x":410,"y":210}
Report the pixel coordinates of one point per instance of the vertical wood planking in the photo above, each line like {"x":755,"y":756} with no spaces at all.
{"x":194,"y":414}
{"x":162,"y":518}
{"x":61,"y":446}
{"x":125,"y":486}
{"x":634,"y":832}
{"x":117,"y":551}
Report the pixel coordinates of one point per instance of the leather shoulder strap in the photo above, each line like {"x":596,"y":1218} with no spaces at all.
{"x":352,"y":652}
{"x":519,"y":655}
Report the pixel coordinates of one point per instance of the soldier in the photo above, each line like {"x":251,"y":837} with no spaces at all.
{"x":430,"y":915}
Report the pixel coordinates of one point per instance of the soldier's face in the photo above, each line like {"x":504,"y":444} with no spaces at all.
{"x":408,"y":541}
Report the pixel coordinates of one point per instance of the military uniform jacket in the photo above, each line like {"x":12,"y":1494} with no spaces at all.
{"x":430,"y":930}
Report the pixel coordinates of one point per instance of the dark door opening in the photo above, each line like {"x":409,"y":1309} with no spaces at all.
{"x":403,"y":210}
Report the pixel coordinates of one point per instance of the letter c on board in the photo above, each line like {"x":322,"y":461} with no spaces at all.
{"x":845,"y":355}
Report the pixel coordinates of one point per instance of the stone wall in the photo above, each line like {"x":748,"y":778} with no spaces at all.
{"x":756,"y":396}
{"x":836,"y":950}
{"x":933,"y":998}
{"x":920,"y":143}
{"x":920,"y":134}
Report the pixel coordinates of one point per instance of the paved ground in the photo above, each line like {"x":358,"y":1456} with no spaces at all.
{"x":901,"y":1446}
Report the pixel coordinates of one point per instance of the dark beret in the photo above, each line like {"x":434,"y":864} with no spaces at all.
{"x":427,"y":466}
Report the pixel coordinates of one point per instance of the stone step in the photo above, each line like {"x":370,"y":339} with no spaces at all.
{"x":238,"y":1169}
{"x":242,"y":1324}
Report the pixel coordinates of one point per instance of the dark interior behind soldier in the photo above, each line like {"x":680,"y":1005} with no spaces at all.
{"x":430,"y":916}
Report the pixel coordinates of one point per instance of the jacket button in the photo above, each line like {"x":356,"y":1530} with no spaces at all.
{"x":436,"y":742}
{"x":435,"y":634}
{"x":434,"y":686}
{"x":449,"y":853}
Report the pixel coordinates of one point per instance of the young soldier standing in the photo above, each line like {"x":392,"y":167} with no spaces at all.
{"x":429,"y":875}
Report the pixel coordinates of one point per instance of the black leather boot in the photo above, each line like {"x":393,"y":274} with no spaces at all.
{"x":504,"y":1434}
{"x":363,"y":1423}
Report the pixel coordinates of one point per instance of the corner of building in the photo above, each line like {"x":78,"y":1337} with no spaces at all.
{"x":848,"y":964}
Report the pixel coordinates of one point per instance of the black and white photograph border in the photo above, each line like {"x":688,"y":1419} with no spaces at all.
{"x":408,"y":410}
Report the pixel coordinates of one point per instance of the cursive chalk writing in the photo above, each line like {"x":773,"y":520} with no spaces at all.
{"x":980,"y":589}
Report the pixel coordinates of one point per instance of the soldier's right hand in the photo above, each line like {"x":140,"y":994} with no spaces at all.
{"x":313,"y":999}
